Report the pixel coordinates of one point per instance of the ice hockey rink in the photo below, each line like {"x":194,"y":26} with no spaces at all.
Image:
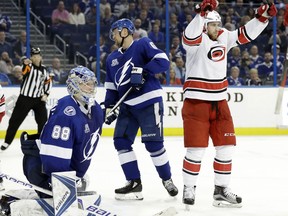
{"x":260,"y":176}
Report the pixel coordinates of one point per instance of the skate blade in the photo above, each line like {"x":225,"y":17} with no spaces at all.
{"x":224,"y":204}
{"x":129,"y":196}
{"x":187,"y":207}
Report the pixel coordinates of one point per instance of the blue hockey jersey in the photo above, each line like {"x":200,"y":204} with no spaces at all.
{"x":141,"y":53}
{"x":69,"y":138}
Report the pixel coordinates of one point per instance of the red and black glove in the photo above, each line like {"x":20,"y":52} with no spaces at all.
{"x":205,"y":6}
{"x":264,"y":12}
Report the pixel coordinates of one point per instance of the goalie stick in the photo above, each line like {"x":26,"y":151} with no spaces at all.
{"x":282,"y":86}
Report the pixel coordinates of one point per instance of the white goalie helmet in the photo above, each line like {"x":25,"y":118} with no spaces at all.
{"x":212,"y":16}
{"x":82,"y":75}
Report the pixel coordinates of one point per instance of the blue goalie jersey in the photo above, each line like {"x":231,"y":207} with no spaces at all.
{"x":70,"y":137}
{"x":141,"y":53}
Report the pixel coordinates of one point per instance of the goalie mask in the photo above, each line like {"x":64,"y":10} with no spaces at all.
{"x":81,"y":84}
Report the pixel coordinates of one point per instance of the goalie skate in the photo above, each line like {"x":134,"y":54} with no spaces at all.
{"x":223,"y":197}
{"x":131,"y":191}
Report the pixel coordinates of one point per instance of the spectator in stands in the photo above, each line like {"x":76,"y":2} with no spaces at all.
{"x":6,"y":63}
{"x":253,"y":79}
{"x":173,"y":79}
{"x":175,"y":28}
{"x":229,"y":21}
{"x":145,"y":20}
{"x":161,"y":77}
{"x":85,"y":6}
{"x":120,"y":7}
{"x":145,"y":5}
{"x":5,"y":25}
{"x":132,"y":12}
{"x":103,"y":5}
{"x":139,"y":32}
{"x":174,"y":7}
{"x":4,"y":46}
{"x":19,"y":49}
{"x":285,"y":21}
{"x":4,"y":79}
{"x":76,"y":17}
{"x":91,"y":15}
{"x":159,"y":10}
{"x":177,"y":48}
{"x":108,"y":18}
{"x":57,"y":73}
{"x":245,"y":64}
{"x":265,"y":68}
{"x":234,"y":79}
{"x":179,"y":68}
{"x":16,"y":75}
{"x":60,"y":15}
{"x":155,"y":35}
{"x":234,"y":58}
{"x":104,"y":51}
{"x":255,"y":57}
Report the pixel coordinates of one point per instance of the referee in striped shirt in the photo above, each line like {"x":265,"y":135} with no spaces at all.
{"x":34,"y":91}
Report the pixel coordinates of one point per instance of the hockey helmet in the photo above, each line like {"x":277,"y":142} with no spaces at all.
{"x":120,"y":24}
{"x":35,"y":51}
{"x":212,"y":16}
{"x":81,"y":75}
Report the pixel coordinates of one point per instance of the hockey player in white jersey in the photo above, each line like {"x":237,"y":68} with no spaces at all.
{"x":205,"y":110}
{"x":69,"y":137}
{"x":134,"y":65}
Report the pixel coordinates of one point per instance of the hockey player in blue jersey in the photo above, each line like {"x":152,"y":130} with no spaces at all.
{"x":69,"y":137}
{"x":134,"y":65}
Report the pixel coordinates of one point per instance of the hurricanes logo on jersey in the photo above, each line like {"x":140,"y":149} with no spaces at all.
{"x":217,"y":53}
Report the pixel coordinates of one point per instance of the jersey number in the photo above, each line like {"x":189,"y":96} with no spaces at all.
{"x":59,"y":132}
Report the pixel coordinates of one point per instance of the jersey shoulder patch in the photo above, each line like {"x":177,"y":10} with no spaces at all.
{"x":70,"y":111}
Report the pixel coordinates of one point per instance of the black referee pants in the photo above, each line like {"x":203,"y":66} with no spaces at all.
{"x":23,"y":106}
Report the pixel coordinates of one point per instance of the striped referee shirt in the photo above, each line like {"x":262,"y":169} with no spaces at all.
{"x":36,"y":81}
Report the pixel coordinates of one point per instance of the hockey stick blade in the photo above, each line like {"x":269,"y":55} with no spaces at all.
{"x":282,"y":86}
{"x":171,"y":211}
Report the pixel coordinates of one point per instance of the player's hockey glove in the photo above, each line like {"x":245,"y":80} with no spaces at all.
{"x":136,"y":78}
{"x":264,"y":12}
{"x":205,"y":6}
{"x":111,"y":116}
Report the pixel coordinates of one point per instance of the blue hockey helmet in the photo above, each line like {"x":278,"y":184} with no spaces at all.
{"x":82,"y":75}
{"x":120,"y":24}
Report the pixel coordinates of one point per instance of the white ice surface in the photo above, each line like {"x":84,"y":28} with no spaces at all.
{"x":259,"y":175}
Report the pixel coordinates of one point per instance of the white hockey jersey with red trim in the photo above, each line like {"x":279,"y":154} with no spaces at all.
{"x":206,"y":60}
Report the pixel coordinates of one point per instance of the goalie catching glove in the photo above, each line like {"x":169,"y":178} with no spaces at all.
{"x":264,"y":12}
{"x":205,"y":6}
{"x":136,"y":78}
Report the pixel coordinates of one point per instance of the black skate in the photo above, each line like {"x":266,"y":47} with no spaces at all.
{"x":132,"y":191}
{"x":5,"y":202}
{"x":1,"y":184}
{"x":170,"y":187}
{"x":188,"y":196}
{"x":223,"y":197}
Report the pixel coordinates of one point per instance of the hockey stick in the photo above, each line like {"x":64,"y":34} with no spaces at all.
{"x":171,"y":211}
{"x":25,"y":184}
{"x":37,"y":188}
{"x":120,"y":100}
{"x":282,"y":86}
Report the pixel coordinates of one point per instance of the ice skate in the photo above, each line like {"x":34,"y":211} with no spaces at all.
{"x":188,"y":196}
{"x":223,"y":197}
{"x":132,"y":191}
{"x":170,"y":187}
{"x":4,"y":146}
{"x":1,"y":184}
